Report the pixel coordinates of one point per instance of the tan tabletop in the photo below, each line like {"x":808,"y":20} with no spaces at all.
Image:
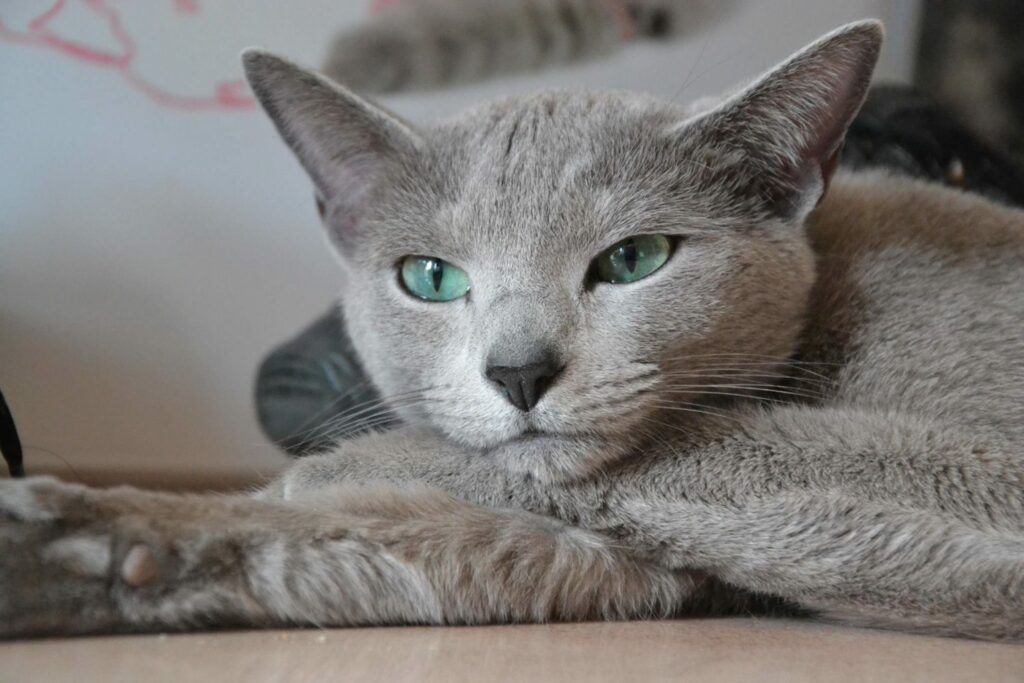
{"x":699,"y":650}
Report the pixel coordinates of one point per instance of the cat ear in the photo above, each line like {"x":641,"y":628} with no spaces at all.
{"x":345,"y":142}
{"x":778,"y":141}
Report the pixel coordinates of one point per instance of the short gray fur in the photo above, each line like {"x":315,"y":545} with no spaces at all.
{"x":422,"y":44}
{"x":817,"y":404}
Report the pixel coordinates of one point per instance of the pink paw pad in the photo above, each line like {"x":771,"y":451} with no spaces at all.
{"x":140,"y":567}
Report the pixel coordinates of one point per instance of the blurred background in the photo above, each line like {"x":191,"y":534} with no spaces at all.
{"x":157,"y":239}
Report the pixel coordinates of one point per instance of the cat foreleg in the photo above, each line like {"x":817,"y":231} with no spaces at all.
{"x":852,"y":561}
{"x":404,"y":456}
{"x":81,"y":560}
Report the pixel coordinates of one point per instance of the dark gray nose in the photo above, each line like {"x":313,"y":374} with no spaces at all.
{"x":523,"y":385}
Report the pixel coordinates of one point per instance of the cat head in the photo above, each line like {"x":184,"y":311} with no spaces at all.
{"x":552,"y":278}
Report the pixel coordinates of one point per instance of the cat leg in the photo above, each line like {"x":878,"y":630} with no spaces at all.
{"x":866,"y":517}
{"x":81,"y":560}
{"x":806,"y":509}
{"x":406,"y":455}
{"x":849,"y":560}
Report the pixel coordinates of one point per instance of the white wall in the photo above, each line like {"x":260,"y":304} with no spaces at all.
{"x":150,"y":255}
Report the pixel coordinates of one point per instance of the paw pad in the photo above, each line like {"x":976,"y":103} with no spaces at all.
{"x":81,"y":555}
{"x":139,"y":567}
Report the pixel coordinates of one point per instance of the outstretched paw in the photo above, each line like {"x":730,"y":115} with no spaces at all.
{"x":75,"y":559}
{"x":38,"y":499}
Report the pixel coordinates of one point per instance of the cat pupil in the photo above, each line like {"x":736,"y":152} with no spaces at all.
{"x":437,"y":273}
{"x":629,"y":255}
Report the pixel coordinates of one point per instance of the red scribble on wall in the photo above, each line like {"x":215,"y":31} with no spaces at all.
{"x":381,"y":5}
{"x":227,"y":95}
{"x":186,"y":6}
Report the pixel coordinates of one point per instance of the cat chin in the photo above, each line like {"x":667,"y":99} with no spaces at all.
{"x":554,"y":458}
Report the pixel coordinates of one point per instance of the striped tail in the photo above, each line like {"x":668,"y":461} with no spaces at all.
{"x":422,"y":44}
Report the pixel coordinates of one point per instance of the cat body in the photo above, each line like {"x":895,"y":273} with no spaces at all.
{"x":890,"y":464}
{"x":421,"y":44}
{"x":812,"y":404}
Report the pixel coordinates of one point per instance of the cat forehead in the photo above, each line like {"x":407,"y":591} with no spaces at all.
{"x":559,"y":106}
{"x":547,"y":173}
{"x":554,"y":124}
{"x":541,"y":148}
{"x":544,"y":174}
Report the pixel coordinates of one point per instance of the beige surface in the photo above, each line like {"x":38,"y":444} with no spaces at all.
{"x":700,"y":650}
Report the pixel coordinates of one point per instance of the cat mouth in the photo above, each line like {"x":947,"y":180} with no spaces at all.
{"x":532,"y":434}
{"x":552,"y":456}
{"x":530,"y":441}
{"x":537,"y":433}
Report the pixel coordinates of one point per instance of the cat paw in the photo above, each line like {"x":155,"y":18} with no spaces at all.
{"x":73,"y":558}
{"x":38,"y":499}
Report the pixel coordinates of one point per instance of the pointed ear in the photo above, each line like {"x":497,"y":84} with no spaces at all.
{"x":778,"y":141}
{"x":346,"y":143}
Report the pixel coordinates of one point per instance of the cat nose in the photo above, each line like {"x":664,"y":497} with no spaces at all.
{"x":523,"y":385}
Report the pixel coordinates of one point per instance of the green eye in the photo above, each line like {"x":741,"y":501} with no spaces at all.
{"x":633,"y":259}
{"x":433,"y":279}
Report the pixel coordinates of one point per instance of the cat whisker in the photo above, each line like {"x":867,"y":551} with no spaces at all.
{"x":656,"y":435}
{"x":687,"y":407}
{"x":753,"y":389}
{"x":391,"y":404}
{"x":785,"y":365}
{"x":745,"y":354}
{"x":742,"y":374}
{"x":648,"y":373}
{"x":339,"y":423}
{"x":738,"y":395}
{"x":309,"y":427}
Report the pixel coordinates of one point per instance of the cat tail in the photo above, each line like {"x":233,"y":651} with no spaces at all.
{"x":421,"y":44}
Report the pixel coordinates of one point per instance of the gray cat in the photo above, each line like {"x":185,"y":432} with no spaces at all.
{"x":649,"y":367}
{"x":419,"y":44}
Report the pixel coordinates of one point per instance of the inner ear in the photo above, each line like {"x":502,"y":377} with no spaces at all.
{"x":779,"y":141}
{"x":828,"y":169}
{"x":347,"y":144}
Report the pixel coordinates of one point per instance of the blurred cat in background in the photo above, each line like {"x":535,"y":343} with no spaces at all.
{"x":419,"y":44}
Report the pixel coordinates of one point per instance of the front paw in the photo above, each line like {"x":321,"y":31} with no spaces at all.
{"x":69,"y":557}
{"x":37,"y":499}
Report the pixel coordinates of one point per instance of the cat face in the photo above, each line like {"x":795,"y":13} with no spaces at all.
{"x":563,"y":273}
{"x":524,"y":198}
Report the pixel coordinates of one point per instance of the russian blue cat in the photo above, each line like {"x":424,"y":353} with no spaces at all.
{"x":651,"y":360}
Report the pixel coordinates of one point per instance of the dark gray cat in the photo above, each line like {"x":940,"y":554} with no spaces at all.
{"x":652,"y":361}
